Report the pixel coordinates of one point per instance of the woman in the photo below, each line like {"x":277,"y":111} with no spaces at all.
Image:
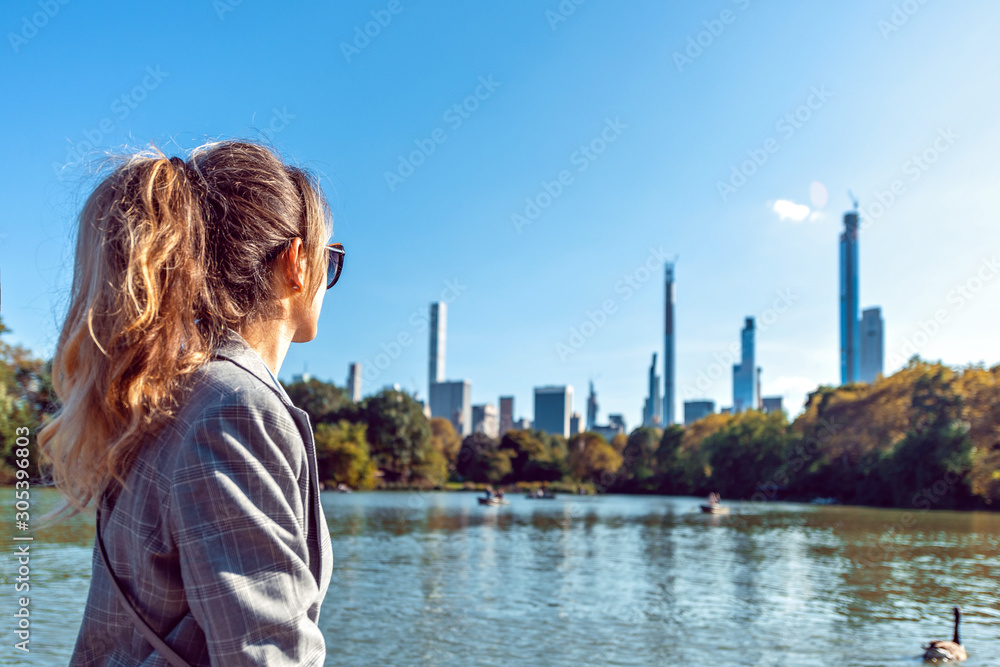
{"x":191,"y":280}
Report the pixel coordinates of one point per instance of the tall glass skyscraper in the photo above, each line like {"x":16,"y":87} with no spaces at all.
{"x":745,"y":372}
{"x":553,"y":406}
{"x":591,"y":408}
{"x":850,"y":342}
{"x":668,"y":351}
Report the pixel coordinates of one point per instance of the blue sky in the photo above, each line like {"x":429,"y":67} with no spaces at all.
{"x":874,"y":84}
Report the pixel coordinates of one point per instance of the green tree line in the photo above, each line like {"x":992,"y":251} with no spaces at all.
{"x":926,"y":437}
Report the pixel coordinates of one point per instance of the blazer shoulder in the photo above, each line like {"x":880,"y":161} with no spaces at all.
{"x":225,"y":397}
{"x":224,"y":382}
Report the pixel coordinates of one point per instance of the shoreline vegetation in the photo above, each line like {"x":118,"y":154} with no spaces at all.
{"x":926,"y":437}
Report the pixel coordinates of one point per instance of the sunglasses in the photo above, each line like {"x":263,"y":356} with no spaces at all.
{"x":335,"y":263}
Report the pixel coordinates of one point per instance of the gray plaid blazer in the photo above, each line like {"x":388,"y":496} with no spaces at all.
{"x":218,"y":536}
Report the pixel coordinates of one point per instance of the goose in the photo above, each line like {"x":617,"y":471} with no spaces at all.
{"x":947,"y":651}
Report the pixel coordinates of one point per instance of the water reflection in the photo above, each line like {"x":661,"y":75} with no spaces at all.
{"x":434,"y":578}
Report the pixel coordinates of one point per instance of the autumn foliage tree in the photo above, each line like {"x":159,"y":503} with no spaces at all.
{"x":343,"y":455}
{"x":592,"y":459}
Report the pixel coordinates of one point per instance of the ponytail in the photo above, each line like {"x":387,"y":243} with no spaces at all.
{"x":169,"y":253}
{"x":129,"y":338}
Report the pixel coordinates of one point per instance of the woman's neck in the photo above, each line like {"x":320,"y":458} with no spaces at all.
{"x":270,"y":340}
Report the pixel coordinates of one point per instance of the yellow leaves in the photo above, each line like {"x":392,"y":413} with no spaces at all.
{"x":590,"y":455}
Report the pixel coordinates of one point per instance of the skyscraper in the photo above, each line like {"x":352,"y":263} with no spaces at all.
{"x":452,"y":400}
{"x":439,"y":328}
{"x":506,"y":414}
{"x":486,"y":420}
{"x":617,"y":422}
{"x":850,"y":368}
{"x":695,"y":410}
{"x":760,"y":399}
{"x":651,"y":411}
{"x":771,"y":404}
{"x":354,"y":382}
{"x":553,"y":407}
{"x":745,"y":372}
{"x":872,"y":344}
{"x":668,"y":351}
{"x":591,"y":408}
{"x":449,"y":399}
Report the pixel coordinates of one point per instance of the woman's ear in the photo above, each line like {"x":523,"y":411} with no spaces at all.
{"x":295,"y":265}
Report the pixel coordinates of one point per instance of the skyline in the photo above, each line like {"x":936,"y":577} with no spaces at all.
{"x":592,"y":130}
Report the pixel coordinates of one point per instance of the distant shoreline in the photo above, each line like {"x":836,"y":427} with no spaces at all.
{"x":522,"y":487}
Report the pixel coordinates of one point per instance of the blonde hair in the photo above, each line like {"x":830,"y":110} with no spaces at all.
{"x":169,"y":253}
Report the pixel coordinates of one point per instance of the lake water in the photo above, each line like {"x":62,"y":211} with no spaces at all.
{"x":436,"y":579}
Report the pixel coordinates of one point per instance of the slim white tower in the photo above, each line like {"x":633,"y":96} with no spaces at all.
{"x":439,"y":328}
{"x":668,"y":352}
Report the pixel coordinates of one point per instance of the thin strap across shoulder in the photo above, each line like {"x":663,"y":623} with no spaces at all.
{"x":140,"y":623}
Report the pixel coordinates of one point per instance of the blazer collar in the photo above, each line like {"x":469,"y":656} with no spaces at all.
{"x":234,"y":348}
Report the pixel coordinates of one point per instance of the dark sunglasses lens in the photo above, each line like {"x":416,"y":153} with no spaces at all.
{"x":333,"y":268}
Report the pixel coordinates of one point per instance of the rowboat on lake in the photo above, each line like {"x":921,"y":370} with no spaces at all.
{"x":713,"y":506}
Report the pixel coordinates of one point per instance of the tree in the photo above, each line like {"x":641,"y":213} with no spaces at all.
{"x":322,"y":401}
{"x":980,"y":389}
{"x":669,"y":461}
{"x":398,"y":432}
{"x":531,"y":457}
{"x":928,"y":468}
{"x":881,"y":444}
{"x":639,"y":461}
{"x":481,"y":460}
{"x":343,"y":455}
{"x":692,"y":458}
{"x":27,"y":399}
{"x":445,"y":440}
{"x":591,"y":458}
{"x":745,"y":455}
